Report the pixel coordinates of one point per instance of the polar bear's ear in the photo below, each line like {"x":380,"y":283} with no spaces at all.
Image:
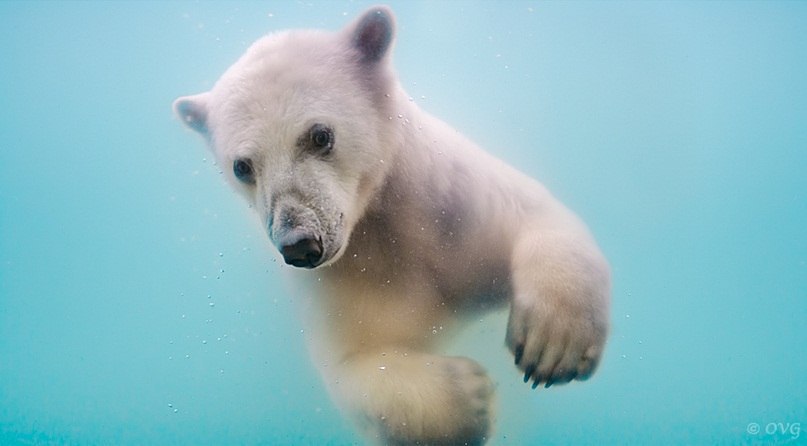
{"x":193,"y":111}
{"x":373,"y":32}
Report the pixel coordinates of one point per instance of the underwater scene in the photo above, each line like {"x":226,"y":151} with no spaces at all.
{"x":142,"y":301}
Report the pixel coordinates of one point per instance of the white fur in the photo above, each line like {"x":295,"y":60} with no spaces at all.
{"x":420,"y":227}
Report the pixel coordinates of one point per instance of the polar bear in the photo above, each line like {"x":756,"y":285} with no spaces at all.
{"x":401,"y":225}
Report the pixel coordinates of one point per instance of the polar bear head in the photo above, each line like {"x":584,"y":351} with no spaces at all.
{"x":300,"y":126}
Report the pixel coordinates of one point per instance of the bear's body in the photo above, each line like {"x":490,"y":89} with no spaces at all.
{"x":408,"y":228}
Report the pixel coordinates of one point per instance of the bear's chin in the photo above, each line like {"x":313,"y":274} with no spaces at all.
{"x":332,"y":255}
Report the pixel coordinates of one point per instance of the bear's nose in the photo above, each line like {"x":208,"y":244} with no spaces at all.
{"x":304,"y":253}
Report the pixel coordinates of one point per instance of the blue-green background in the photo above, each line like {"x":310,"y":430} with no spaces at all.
{"x":140,"y":303}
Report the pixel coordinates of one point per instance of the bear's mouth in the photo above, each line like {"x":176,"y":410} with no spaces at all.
{"x":301,"y":240}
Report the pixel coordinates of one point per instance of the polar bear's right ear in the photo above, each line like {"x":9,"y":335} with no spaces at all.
{"x":193,"y":111}
{"x":372,"y":33}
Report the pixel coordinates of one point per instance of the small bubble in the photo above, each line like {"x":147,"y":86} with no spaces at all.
{"x":176,"y":410}
{"x":204,"y":342}
{"x":221,"y":254}
{"x":382,"y":368}
{"x":212,"y":304}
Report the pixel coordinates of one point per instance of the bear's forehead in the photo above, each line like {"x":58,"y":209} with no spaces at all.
{"x":287,"y":71}
{"x":282,"y":84}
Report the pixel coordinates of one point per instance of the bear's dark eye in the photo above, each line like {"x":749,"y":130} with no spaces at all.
{"x":242,"y":168}
{"x":321,"y":139}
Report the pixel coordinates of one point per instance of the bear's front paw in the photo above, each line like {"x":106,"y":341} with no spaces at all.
{"x":555,"y":342}
{"x":452,"y":406}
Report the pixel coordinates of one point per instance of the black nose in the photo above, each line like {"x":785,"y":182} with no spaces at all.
{"x":305,"y":253}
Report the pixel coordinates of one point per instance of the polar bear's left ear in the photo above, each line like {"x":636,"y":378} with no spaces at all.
{"x":193,"y":111}
{"x":372,"y":33}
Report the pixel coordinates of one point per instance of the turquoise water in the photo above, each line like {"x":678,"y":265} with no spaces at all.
{"x":141,"y":304}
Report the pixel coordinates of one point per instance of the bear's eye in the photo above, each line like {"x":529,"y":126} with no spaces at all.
{"x":242,"y":168}
{"x":321,"y":139}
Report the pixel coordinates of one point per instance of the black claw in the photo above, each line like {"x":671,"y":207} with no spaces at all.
{"x":549,"y":382}
{"x":528,"y":372}
{"x":519,"y":353}
{"x":535,"y":384}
